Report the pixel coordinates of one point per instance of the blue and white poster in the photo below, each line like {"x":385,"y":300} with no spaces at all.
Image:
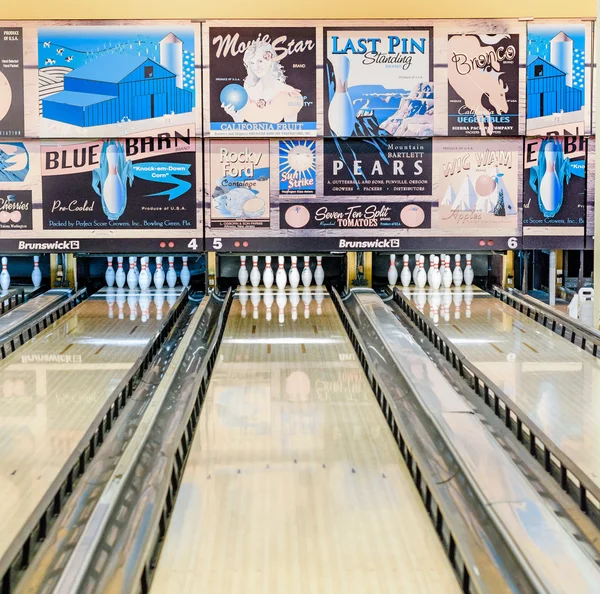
{"x":378,"y":82}
{"x":115,"y":81}
{"x":556,"y":79}
{"x":126,"y":183}
{"x":297,"y":167}
{"x":14,"y":162}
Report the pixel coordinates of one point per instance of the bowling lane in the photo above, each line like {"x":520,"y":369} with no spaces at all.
{"x":51,"y":390}
{"x":553,"y":381}
{"x":294,"y":482}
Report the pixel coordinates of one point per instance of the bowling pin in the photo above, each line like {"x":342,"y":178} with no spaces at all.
{"x":416,"y":269}
{"x":447,"y":274}
{"x":171,"y":274}
{"x":4,"y":276}
{"x":392,"y":274}
{"x":319,"y":272}
{"x":341,"y":111}
{"x":436,"y":277}
{"x":110,"y":300}
{"x":255,"y":300}
{"x":145,"y":301}
{"x":184,"y":275}
{"x":306,"y":299}
{"x":172,"y":296}
{"x":255,"y":272}
{"x":551,"y":191}
{"x":132,"y":280}
{"x":121,"y":301}
{"x":434,"y":302}
{"x":306,"y":272}
{"x":294,"y":300}
{"x":268,"y":276}
{"x":120,"y":277}
{"x":421,"y":294}
{"x":159,"y":301}
{"x":159,"y":274}
{"x":421,"y":274}
{"x":243,"y":297}
{"x":442,"y":264}
{"x":469,"y":275}
{"x":36,"y":275}
{"x":145,"y":279}
{"x":446,"y":301}
{"x":319,"y":298}
{"x":136,"y":269}
{"x":281,"y":303}
{"x":243,"y":272}
{"x":430,"y":269}
{"x":268,"y":298}
{"x":281,"y":276}
{"x":457,"y":299}
{"x":405,"y":275}
{"x":294,"y":274}
{"x":468,"y":297}
{"x":114,"y":194}
{"x":109,"y":275}
{"x":132,"y":301}
{"x":457,"y":274}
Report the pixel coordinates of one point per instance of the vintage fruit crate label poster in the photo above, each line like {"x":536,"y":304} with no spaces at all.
{"x":384,"y":166}
{"x":12,"y":110}
{"x":378,"y":82}
{"x":356,"y":217}
{"x":483,"y":84}
{"x":478,"y":184}
{"x":554,"y":186}
{"x":239,"y":184}
{"x":262,"y":81}
{"x":16,"y":210}
{"x":115,"y":81}
{"x":130,"y":183}
{"x":297,"y":167}
{"x":557,"y":78}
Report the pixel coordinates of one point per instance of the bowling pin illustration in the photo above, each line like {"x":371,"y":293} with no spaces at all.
{"x":4,"y":276}
{"x":255,"y":272}
{"x":319,"y":272}
{"x":109,"y":275}
{"x":281,"y":276}
{"x":392,"y":274}
{"x":341,"y":111}
{"x":120,"y":274}
{"x":114,"y":193}
{"x":306,"y":272}
{"x":243,"y":272}
{"x":171,"y":274}
{"x":294,"y":274}
{"x":36,"y":275}
{"x":268,"y":276}
{"x":550,"y":194}
{"x":159,"y":274}
{"x":132,"y":280}
{"x":405,"y":275}
{"x":184,"y":275}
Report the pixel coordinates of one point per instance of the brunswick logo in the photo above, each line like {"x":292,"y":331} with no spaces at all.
{"x":49,"y":246}
{"x":371,"y":244}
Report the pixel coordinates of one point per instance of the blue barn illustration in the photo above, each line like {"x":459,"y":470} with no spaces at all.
{"x":113,"y":88}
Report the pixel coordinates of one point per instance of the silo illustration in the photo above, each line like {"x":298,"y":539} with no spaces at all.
{"x":171,"y":56}
{"x":561,"y":55}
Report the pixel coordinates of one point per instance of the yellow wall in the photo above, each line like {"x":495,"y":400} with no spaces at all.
{"x":273,"y":9}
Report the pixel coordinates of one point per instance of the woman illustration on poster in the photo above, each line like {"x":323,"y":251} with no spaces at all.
{"x":270,"y":99}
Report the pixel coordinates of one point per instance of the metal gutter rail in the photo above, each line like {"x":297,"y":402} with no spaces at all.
{"x":562,"y":468}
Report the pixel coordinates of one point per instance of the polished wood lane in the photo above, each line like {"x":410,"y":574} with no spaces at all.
{"x":51,"y":389}
{"x":294,"y":483}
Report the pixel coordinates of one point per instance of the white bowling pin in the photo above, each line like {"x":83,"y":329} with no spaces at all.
{"x":159,"y":273}
{"x":457,"y":274}
{"x":114,"y":194}
{"x":243,"y":272}
{"x":319,"y":298}
{"x":446,"y":301}
{"x":281,"y":276}
{"x":110,"y":300}
{"x":243,"y":297}
{"x":306,"y":272}
{"x":171,"y":274}
{"x":184,"y":275}
{"x":468,"y":296}
{"x":268,"y":276}
{"x":109,"y":275}
{"x":255,"y":300}
{"x":255,"y":272}
{"x":294,"y":274}
{"x":405,"y":275}
{"x":551,"y":191}
{"x":319,"y":272}
{"x":36,"y":275}
{"x":442,"y":265}
{"x":421,"y":274}
{"x":436,"y":277}
{"x":341,"y":111}
{"x":145,"y":301}
{"x":159,"y":301}
{"x":469,"y":275}
{"x":447,"y":274}
{"x":457,"y":299}
{"x":269,"y":298}
{"x":421,"y":294}
{"x":132,"y":280}
{"x":416,"y":269}
{"x":392,"y":274}
{"x":145,"y":280}
{"x":281,"y":303}
{"x":121,"y":301}
{"x":136,"y":269}
{"x":294,"y":300}
{"x":4,"y":276}
{"x":120,"y":277}
{"x":132,"y":301}
{"x":430,"y":269}
{"x":171,"y":296}
{"x":306,"y":299}
{"x":434,"y":302}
